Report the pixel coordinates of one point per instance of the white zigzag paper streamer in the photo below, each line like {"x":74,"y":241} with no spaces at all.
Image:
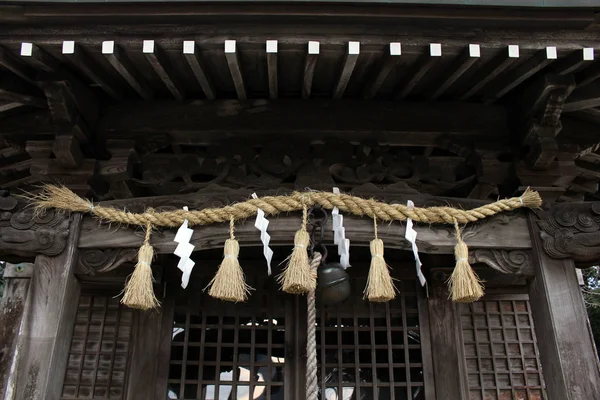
{"x":262,"y":224}
{"x":339,"y":235}
{"x":184,"y":251}
{"x":411,"y":236}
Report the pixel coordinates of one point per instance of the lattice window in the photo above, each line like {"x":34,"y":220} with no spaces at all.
{"x":501,"y":351}
{"x":371,"y":350}
{"x":99,"y":350}
{"x":227,"y":351}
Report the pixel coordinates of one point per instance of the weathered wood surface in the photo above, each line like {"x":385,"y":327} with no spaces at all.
{"x":202,"y":122}
{"x":572,"y":231}
{"x":164,"y":348}
{"x":446,"y":347}
{"x":45,"y":336}
{"x":11,"y":312}
{"x":145,"y":357}
{"x":569,"y":360}
{"x":503,"y":232}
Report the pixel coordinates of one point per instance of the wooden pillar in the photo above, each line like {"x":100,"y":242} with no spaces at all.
{"x":569,"y":360}
{"x":149,"y":366}
{"x":47,"y":325}
{"x":12,"y":305}
{"x":446,"y":345}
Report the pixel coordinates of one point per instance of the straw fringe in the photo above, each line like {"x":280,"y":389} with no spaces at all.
{"x":139,"y":292}
{"x":380,"y":286}
{"x":464,"y":285}
{"x":229,"y":283}
{"x":297,"y":278}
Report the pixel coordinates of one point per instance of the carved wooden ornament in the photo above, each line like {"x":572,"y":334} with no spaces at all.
{"x":573,"y":231}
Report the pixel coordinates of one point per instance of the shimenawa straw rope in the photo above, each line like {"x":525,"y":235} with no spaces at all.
{"x":229,"y":283}
{"x":61,"y":198}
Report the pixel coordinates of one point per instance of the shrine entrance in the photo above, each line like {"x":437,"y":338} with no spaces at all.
{"x":257,"y":349}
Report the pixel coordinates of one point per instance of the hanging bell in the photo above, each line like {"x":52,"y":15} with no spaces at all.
{"x":333,"y":284}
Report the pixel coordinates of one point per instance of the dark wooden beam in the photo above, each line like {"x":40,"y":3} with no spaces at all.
{"x":271,"y":46}
{"x":309,"y":68}
{"x":202,"y":121}
{"x":389,"y":62}
{"x":163,"y":69}
{"x":17,"y":180}
{"x":13,"y":89}
{"x":465,"y":60}
{"x":419,"y":70}
{"x":119,"y":60}
{"x":196,"y":65}
{"x":351,"y":57}
{"x":573,"y":62}
{"x":8,"y":109}
{"x":588,"y":75}
{"x":234,"y":69}
{"x":512,"y":78}
{"x":558,"y":311}
{"x":16,"y":66}
{"x":81,"y":60}
{"x":488,"y":234}
{"x":583,"y":97}
{"x":16,"y":161}
{"x":491,"y":71}
{"x":38,"y":57}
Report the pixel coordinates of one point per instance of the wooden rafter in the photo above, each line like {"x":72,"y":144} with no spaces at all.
{"x":511,"y":79}
{"x":465,"y":60}
{"x":16,"y":66}
{"x":193,"y":59}
{"x":79,"y":58}
{"x":15,"y":90}
{"x":309,"y":68}
{"x":352,"y":55}
{"x":387,"y":65}
{"x":573,"y":62}
{"x":588,"y":75}
{"x":495,"y":67}
{"x":39,"y":58}
{"x":163,"y":69}
{"x":419,"y":70}
{"x":119,"y":60}
{"x":272,"y":69}
{"x":583,"y":98}
{"x":234,"y":67}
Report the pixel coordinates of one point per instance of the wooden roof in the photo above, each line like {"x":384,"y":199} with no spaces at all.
{"x":136,"y":105}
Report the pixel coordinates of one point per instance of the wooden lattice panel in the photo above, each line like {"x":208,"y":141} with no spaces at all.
{"x":238,"y":349}
{"x":501,"y":352}
{"x":371,"y":350}
{"x":99,"y":350}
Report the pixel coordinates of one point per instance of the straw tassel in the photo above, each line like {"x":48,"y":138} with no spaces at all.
{"x":229,"y":283}
{"x":297,"y":277}
{"x":139,"y":292}
{"x":464,"y":284}
{"x":380,"y":286}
